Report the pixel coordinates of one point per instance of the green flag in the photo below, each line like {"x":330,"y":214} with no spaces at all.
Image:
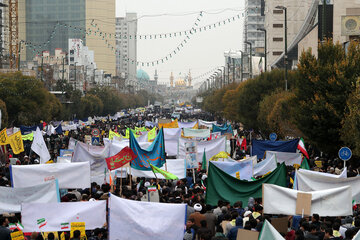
{"x":222,"y":186}
{"x":268,"y":232}
{"x":203,"y":164}
{"x":305,"y":164}
{"x":166,"y":174}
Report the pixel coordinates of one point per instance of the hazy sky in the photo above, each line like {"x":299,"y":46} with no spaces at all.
{"x":203,"y":52}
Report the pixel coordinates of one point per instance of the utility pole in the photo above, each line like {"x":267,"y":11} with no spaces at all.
{"x":42,"y":64}
{"x":285,"y":55}
{"x":75,"y":77}
{"x":242,"y":66}
{"x":63,"y":70}
{"x":323,"y":34}
{"x":251,"y":75}
{"x":233,"y":62}
{"x":19,"y":56}
{"x":265,"y":50}
{"x":228,"y":70}
{"x":223,"y":79}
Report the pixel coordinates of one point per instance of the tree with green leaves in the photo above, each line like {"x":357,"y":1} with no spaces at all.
{"x":322,"y":92}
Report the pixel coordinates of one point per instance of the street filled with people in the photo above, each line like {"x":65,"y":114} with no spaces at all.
{"x":196,"y":177}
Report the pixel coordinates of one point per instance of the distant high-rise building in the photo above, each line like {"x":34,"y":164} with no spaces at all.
{"x":47,"y":25}
{"x":254,"y":19}
{"x":126,"y":30}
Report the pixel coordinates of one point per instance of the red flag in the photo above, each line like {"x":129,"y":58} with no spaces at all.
{"x":243,"y":144}
{"x":123,"y":157}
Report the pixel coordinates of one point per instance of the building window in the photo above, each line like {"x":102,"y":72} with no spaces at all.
{"x":277,"y":53}
{"x":277,"y":11}
{"x":278,"y":25}
{"x":278,"y":39}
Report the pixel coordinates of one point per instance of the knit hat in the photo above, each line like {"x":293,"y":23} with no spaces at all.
{"x":198,"y":207}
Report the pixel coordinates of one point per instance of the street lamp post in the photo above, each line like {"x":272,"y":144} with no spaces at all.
{"x":223,"y":78}
{"x":285,"y":55}
{"x":265,"y":49}
{"x":250,"y":57}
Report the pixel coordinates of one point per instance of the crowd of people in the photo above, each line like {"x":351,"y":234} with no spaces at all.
{"x":204,"y":222}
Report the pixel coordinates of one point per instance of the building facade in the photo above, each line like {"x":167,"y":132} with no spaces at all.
{"x":254,"y":19}
{"x":47,"y":25}
{"x":301,"y":16}
{"x":126,"y":30}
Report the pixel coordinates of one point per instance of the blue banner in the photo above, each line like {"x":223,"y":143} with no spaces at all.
{"x":27,"y":130}
{"x":223,"y":129}
{"x":58,"y":129}
{"x":155,"y":154}
{"x":260,"y":146}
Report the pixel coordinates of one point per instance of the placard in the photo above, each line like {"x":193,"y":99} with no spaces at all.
{"x":78,"y":226}
{"x":247,"y":234}
{"x":190,"y":155}
{"x":303,"y":204}
{"x":19,"y":235}
{"x":280,"y":224}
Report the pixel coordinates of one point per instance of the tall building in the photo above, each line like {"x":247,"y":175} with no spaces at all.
{"x":254,"y":19}
{"x":301,"y":16}
{"x":126,"y":30}
{"x":47,"y":25}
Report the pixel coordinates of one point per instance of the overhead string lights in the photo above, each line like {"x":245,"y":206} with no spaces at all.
{"x":106,"y":37}
{"x":168,"y":34}
{"x":206,"y":73}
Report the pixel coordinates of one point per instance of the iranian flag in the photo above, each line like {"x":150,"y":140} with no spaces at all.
{"x":301,"y":147}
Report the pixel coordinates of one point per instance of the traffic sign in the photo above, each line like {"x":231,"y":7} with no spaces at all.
{"x":273,"y":136}
{"x":95,"y":132}
{"x":95,"y":141}
{"x":345,"y":153}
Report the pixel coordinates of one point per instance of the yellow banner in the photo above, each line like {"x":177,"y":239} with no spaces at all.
{"x":16,"y":142}
{"x":29,"y":137}
{"x":219,"y":155}
{"x":152,"y":134}
{"x":78,"y":226}
{"x":113,"y":134}
{"x":4,"y":139}
{"x":19,"y":235}
{"x":173,"y":124}
{"x":196,"y":126}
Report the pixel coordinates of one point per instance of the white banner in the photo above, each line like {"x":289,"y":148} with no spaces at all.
{"x":12,"y":198}
{"x":95,"y":155}
{"x":265,"y":166}
{"x":171,"y":147}
{"x":310,"y":181}
{"x":50,"y":217}
{"x":201,"y":133}
{"x":172,"y":133}
{"x":174,"y":166}
{"x":116,"y":146}
{"x":69,"y":175}
{"x":63,"y":159}
{"x":289,"y":158}
{"x":187,"y":124}
{"x":241,"y":170}
{"x":206,"y":124}
{"x":342,"y":175}
{"x":130,"y":220}
{"x":211,"y":147}
{"x":332,"y":202}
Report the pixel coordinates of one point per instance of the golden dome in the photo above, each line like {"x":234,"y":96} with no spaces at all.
{"x":180,"y":83}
